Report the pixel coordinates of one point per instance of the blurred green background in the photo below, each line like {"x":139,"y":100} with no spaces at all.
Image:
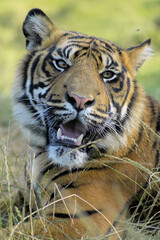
{"x":123,"y":22}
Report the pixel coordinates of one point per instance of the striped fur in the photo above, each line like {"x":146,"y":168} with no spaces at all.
{"x":71,"y":84}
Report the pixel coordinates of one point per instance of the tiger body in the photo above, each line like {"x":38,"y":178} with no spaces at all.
{"x":91,"y":127}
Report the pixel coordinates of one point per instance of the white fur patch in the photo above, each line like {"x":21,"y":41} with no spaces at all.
{"x":124,"y":111}
{"x":70,"y":157}
{"x":112,"y":141}
{"x":27,"y":119}
{"x":145,"y":54}
{"x":39,"y":25}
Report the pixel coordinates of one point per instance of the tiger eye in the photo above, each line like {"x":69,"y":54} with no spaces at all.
{"x":61,"y":64}
{"x":108,"y":74}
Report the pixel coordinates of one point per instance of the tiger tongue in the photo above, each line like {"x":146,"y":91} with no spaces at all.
{"x":73,"y":131}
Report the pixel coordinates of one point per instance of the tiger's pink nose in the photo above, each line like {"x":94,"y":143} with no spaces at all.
{"x":80,"y":102}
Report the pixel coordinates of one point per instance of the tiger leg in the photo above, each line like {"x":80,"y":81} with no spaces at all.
{"x":75,"y":215}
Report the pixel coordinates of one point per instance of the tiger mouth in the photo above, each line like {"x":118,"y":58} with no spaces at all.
{"x":69,"y":134}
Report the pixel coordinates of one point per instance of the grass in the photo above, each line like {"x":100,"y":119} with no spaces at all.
{"x":12,"y":156}
{"x":126,"y":23}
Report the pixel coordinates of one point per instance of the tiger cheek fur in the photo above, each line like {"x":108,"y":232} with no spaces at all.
{"x":89,"y":121}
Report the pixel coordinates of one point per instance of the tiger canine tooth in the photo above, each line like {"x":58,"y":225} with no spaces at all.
{"x":59,"y":133}
{"x":79,"y":139}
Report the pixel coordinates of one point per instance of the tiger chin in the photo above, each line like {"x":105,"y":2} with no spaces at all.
{"x":93,"y":131}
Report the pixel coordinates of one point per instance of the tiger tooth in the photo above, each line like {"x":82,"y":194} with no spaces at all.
{"x":79,"y":139}
{"x":59,"y":133}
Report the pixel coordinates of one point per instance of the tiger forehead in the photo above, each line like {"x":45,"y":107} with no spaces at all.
{"x":79,"y":46}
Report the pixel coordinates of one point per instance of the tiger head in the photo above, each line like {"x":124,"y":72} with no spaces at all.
{"x":76,"y":95}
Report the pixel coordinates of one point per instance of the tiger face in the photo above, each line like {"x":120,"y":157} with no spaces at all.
{"x":76,"y":94}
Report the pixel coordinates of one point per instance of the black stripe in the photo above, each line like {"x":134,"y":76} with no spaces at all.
{"x":24,"y":69}
{"x":81,"y":42}
{"x":105,"y":48}
{"x":83,"y":54}
{"x":152,"y":104}
{"x":51,"y":197}
{"x":59,"y":51}
{"x":72,"y":185}
{"x":95,"y":58}
{"x":42,"y":151}
{"x":56,"y":108}
{"x":119,"y":128}
{"x":76,"y":54}
{"x":33,"y":68}
{"x":102,"y":111}
{"x":68,"y":186}
{"x":40,"y":95}
{"x":96,"y":51}
{"x":157,"y":159}
{"x":76,"y":170}
{"x":158,"y":122}
{"x":115,"y":80}
{"x":115,"y":104}
{"x":133,"y":98}
{"x":66,"y":34}
{"x":65,"y":173}
{"x":128,"y":89}
{"x":50,"y":114}
{"x":116,"y":90}
{"x":90,"y":212}
{"x":117,"y":125}
{"x":109,"y":48}
{"x":68,"y":52}
{"x":25,"y":100}
{"x":40,"y":85}
{"x":54,"y":100}
{"x":86,"y":213}
{"x":115,"y":64}
{"x":37,"y":129}
{"x":97,"y":116}
{"x":77,"y":36}
{"x":140,"y":134}
{"x":49,"y":167}
{"x":155,"y":143}
{"x":100,"y":58}
{"x":47,"y":58}
{"x":63,"y":215}
{"x":77,"y":45}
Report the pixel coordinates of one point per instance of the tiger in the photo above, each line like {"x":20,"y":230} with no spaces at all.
{"x":93,"y":132}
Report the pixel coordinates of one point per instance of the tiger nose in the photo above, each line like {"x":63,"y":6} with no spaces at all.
{"x":79,"y":102}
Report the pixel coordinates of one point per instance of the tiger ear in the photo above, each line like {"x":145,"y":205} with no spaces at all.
{"x":139,"y":54}
{"x":36,"y":27}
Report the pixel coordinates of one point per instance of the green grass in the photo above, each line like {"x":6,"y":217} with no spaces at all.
{"x":126,"y":23}
{"x":12,"y":157}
